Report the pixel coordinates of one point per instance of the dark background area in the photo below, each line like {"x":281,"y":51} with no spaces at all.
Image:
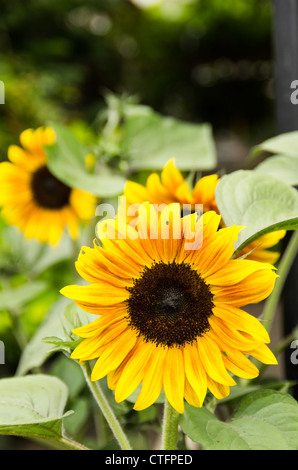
{"x":202,"y":61}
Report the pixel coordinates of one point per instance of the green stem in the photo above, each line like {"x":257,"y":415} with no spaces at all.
{"x":170,"y":427}
{"x":70,"y":444}
{"x":283,"y":270}
{"x":106,"y":409}
{"x":61,"y":443}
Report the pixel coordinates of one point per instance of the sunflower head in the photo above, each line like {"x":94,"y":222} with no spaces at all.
{"x":169,"y":308}
{"x":171,"y":187}
{"x":34,"y":199}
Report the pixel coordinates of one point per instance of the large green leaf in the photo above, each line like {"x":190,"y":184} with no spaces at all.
{"x":62,"y":318}
{"x":33,"y":406}
{"x":282,"y":167}
{"x":150,"y":140}
{"x":283,"y":144}
{"x":259,"y":202}
{"x":36,"y":352}
{"x":67,"y":161}
{"x":265,"y":420}
{"x":194,"y":423}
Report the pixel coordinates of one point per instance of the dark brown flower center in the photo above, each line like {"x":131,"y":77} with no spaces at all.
{"x":169,"y":304}
{"x":48,"y":191}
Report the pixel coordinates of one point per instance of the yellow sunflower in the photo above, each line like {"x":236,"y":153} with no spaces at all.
{"x":33,"y":199}
{"x":168,"y":297}
{"x":172,"y":187}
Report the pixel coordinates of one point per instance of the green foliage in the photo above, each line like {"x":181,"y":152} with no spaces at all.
{"x":191,"y":145}
{"x":282,"y":167}
{"x":67,"y":161}
{"x":15,"y":298}
{"x":33,"y":406}
{"x":260,"y":203}
{"x":264,"y":420}
{"x":283,"y":164}
{"x":54,"y":334}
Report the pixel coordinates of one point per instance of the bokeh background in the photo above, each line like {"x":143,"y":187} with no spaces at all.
{"x":198,"y":60}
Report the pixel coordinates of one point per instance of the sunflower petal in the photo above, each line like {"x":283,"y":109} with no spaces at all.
{"x":174,"y":378}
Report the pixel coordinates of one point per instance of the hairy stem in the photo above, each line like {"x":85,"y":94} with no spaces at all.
{"x":106,"y":409}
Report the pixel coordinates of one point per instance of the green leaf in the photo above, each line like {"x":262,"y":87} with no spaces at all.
{"x":62,"y":318}
{"x":265,"y":420}
{"x":283,"y":144}
{"x":261,"y":203}
{"x":14,"y":298}
{"x":260,"y":402}
{"x":36,"y":351}
{"x":70,"y":372}
{"x":282,"y":167}
{"x":194,"y":422}
{"x":66,"y":160}
{"x":246,"y":434}
{"x":278,"y":409}
{"x":32,"y":406}
{"x":150,"y":140}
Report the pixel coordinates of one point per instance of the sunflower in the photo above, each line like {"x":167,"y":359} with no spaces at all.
{"x":171,"y":187}
{"x":33,"y":199}
{"x":168,"y":297}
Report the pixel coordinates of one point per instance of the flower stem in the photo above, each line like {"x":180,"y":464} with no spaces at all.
{"x":170,"y":427}
{"x":283,"y":270}
{"x":106,"y":409}
{"x":70,"y":444}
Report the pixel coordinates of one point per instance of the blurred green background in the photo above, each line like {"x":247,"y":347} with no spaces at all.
{"x":198,"y":60}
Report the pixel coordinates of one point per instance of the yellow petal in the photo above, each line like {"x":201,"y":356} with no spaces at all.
{"x":191,"y":395}
{"x":114,"y":353}
{"x":212,"y":361}
{"x":157,"y":193}
{"x":100,"y":293}
{"x":263,"y":354}
{"x":169,"y":233}
{"x":134,"y":370}
{"x":173,"y":378}
{"x":242,"y":321}
{"x":252,"y":289}
{"x":204,"y":191}
{"x":218,"y":389}
{"x":235,"y":271}
{"x":238,"y":364}
{"x":195,"y":372}
{"x":171,"y":177}
{"x":152,"y":380}
{"x":97,"y":326}
{"x":218,"y":251}
{"x":231,"y":336}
